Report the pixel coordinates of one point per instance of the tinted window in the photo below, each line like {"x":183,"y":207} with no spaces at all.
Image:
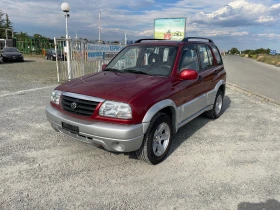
{"x":11,"y":49}
{"x":210,"y":56}
{"x":189,"y":59}
{"x":204,"y":58}
{"x":151,"y":60}
{"x":217,"y":55}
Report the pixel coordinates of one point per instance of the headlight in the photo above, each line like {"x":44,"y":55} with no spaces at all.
{"x":115,"y":109}
{"x":55,"y":96}
{"x":54,"y":55}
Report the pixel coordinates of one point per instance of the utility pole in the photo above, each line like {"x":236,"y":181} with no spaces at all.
{"x":66,"y":8}
{"x":99,"y":28}
{"x":124,"y":38}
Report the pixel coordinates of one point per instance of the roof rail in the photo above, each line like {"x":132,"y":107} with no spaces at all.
{"x":186,"y":39}
{"x":140,"y":40}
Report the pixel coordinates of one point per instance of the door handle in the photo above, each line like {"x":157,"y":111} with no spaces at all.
{"x":200,"y":78}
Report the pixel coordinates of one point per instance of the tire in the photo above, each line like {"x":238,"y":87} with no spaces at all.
{"x":218,"y":106}
{"x":47,"y":58}
{"x":155,"y":146}
{"x":52,"y":59}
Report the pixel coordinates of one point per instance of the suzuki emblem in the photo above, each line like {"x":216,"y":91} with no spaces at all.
{"x":74,"y":105}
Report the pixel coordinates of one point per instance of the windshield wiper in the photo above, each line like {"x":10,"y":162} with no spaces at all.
{"x":112,"y":69}
{"x":135,"y":71}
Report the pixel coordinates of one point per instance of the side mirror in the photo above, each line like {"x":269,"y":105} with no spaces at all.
{"x":188,"y":74}
{"x":104,"y":66}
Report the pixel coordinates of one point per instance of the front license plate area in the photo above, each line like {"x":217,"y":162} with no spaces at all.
{"x":71,"y":128}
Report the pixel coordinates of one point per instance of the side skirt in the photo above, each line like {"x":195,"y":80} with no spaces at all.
{"x":193,"y":116}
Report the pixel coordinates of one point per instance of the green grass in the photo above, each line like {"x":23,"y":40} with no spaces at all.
{"x":269,"y":59}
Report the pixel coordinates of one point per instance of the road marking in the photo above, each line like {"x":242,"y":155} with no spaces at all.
{"x":24,"y":91}
{"x":255,"y":94}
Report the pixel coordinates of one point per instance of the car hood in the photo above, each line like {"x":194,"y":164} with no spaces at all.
{"x":11,"y":53}
{"x":110,"y":85}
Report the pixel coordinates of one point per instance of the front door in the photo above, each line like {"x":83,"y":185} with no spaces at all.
{"x":192,"y":94}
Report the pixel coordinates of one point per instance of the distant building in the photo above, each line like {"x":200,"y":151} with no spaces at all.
{"x":8,"y":42}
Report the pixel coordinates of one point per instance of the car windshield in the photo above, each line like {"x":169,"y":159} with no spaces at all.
{"x":58,"y":51}
{"x":148,"y":60}
{"x":10,"y":49}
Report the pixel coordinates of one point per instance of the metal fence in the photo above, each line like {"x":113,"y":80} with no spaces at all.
{"x":80,"y":65}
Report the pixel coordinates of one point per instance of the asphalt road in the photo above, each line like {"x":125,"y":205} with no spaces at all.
{"x":224,"y":164}
{"x":255,"y":76}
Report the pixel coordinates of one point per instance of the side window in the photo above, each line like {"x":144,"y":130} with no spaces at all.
{"x":165,"y":54}
{"x":204,"y":59}
{"x":189,"y":59}
{"x":210,"y":56}
{"x":217,"y":55}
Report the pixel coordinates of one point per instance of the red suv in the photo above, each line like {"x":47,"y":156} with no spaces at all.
{"x":142,"y":97}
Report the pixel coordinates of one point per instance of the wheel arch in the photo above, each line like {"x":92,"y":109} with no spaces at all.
{"x":223,"y":88}
{"x":166,"y":106}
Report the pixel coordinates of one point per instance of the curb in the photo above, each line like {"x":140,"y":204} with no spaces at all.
{"x":254,"y":94}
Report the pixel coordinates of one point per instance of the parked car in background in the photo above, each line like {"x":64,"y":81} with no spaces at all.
{"x":11,"y":54}
{"x":142,"y":97}
{"x":51,"y":55}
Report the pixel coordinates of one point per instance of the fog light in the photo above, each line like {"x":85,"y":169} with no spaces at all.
{"x":118,"y":146}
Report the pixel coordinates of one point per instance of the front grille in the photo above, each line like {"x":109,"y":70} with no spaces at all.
{"x":82,"y":107}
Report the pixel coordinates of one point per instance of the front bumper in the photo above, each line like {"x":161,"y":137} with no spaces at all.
{"x":12,"y":58}
{"x":113,"y":137}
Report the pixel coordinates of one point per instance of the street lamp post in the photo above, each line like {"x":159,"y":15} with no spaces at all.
{"x":66,"y":8}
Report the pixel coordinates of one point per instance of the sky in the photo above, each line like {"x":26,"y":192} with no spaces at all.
{"x":244,"y":24}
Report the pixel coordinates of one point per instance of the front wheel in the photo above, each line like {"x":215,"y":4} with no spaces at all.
{"x":216,"y":111}
{"x":157,"y":140}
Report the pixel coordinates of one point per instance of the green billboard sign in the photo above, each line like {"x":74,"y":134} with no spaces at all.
{"x":169,"y":28}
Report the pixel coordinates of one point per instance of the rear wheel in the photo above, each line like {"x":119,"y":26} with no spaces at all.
{"x":157,"y":140}
{"x":217,"y":107}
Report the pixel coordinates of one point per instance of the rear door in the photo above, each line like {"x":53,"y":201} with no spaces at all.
{"x":210,"y":69}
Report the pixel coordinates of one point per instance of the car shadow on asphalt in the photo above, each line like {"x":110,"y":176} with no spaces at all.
{"x":270,"y":204}
{"x":185,"y":132}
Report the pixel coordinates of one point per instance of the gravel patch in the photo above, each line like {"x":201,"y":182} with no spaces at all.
{"x":34,"y":72}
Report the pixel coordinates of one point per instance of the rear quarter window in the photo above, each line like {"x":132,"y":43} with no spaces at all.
{"x":217,"y":55}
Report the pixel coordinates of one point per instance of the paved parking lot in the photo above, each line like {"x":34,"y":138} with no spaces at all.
{"x":229,"y":163}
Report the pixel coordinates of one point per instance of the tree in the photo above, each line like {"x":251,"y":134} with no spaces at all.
{"x":234,"y":50}
{"x":37,"y":36}
{"x":8,"y":25}
{"x":2,"y":24}
{"x":21,"y":36}
{"x":5,"y":23}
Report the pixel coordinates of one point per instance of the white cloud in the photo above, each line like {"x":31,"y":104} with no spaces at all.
{"x":223,"y":20}
{"x":268,"y":36}
{"x":240,"y":13}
